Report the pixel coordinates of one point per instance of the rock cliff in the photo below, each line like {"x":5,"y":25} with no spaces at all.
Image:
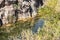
{"x":12,"y":10}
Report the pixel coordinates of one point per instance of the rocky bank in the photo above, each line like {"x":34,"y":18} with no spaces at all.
{"x":13,"y":10}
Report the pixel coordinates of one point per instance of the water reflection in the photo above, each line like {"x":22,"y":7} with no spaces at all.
{"x":38,"y":24}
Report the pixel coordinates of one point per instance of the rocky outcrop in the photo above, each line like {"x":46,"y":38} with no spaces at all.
{"x":12,"y":10}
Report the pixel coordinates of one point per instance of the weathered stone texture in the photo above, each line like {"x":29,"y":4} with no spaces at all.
{"x":12,"y":10}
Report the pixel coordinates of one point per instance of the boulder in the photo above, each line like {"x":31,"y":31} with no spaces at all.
{"x":12,"y":10}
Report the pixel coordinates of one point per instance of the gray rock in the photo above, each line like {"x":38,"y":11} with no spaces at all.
{"x":15,"y":9}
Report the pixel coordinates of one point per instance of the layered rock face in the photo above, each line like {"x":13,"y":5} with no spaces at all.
{"x":12,"y":10}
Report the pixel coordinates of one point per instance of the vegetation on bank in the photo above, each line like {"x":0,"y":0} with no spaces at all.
{"x":23,"y":30}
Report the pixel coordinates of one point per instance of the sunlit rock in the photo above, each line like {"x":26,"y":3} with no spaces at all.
{"x":18,"y":9}
{"x":1,"y":1}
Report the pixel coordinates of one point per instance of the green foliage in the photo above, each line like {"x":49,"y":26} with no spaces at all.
{"x":51,"y":3}
{"x":50,"y":30}
{"x":15,"y":29}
